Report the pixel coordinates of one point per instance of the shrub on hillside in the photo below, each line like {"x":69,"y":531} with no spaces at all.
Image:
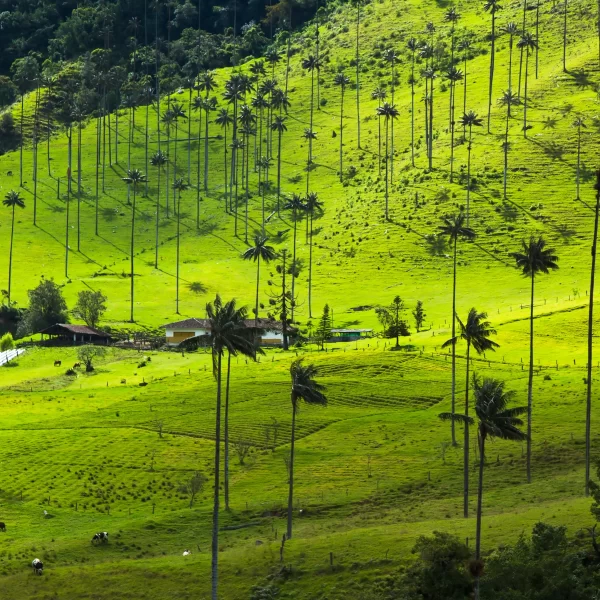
{"x":6,"y":342}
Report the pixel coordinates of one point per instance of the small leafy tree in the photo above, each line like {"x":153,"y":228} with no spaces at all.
{"x":46,"y":307}
{"x":6,"y":342}
{"x":419,"y":315}
{"x":391,"y":320}
{"x":90,"y":307}
{"x":242,"y":449}
{"x":88,"y":354}
{"x":323,"y":332}
{"x":193,"y":486}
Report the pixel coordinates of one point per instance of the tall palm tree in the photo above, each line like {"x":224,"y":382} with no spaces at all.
{"x":167,"y":120}
{"x":464,"y":46}
{"x":179,"y":185}
{"x":158,"y":160}
{"x":535,"y":258}
{"x":296,"y":205}
{"x":12,"y":200}
{"x":357,"y":60}
{"x":588,"y":403}
{"x":527,"y":43}
{"x":579,"y":124}
{"x":426,"y":53}
{"x":210,"y":104}
{"x":452,"y":16}
{"x":492,"y":6}
{"x":309,"y":135}
{"x":273,"y":58}
{"x":223,"y":120}
{"x":413,"y":46}
{"x":280,"y":127}
{"x":134,"y":178}
{"x":391,"y":57}
{"x":494,"y":420}
{"x":430,"y":75}
{"x":454,"y":228}
{"x":259,"y":103}
{"x":178,"y":114}
{"x":311,"y":64}
{"x":453,"y":75}
{"x":508,"y":99}
{"x":312,"y":206}
{"x":476,"y":331}
{"x":260,"y":250}
{"x":198,"y":106}
{"x":511,"y":30}
{"x":227,"y":333}
{"x":389,"y":112}
{"x":304,"y":387}
{"x":379,"y":94}
{"x":470,"y":120}
{"x":342,"y":80}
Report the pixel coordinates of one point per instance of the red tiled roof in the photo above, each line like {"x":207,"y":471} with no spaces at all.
{"x":59,"y":328}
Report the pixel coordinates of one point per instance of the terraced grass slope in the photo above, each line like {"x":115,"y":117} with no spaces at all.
{"x":373,"y":468}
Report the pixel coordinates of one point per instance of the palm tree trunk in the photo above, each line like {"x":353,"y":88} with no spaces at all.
{"x":452,"y":95}
{"x":98,"y":131}
{"x":167,"y":169}
{"x":175,"y":207}
{"x":247,"y":186}
{"x":465,"y":95}
{"x":215,"y":520}
{"x":310,"y":247}
{"x":189,"y":145}
{"x":492,"y":60}
{"x":469,"y":173}
{"x":392,"y":131}
{"x":505,"y":182}
{"x":412,"y":112}
{"x":279,"y":173}
{"x":466,"y":445}
{"x":79,"y":186}
{"x":525,"y":93}
{"x":226,"y":435}
{"x":69,"y":159}
{"x":206,"y":148}
{"x":510,"y":55}
{"x":21,"y":142}
{"x":537,"y":38}
{"x":198,"y":170}
{"x":521,"y":58}
{"x":530,"y":383}
{"x":387,"y":122}
{"x":157,"y":217}
{"x":357,"y":73}
{"x":588,"y":407}
{"x":578,"y":156}
{"x":177,"y":253}
{"x":257,"y":288}
{"x":479,"y":503}
{"x":341,"y":132}
{"x":132,"y":248}
{"x":225,"y":163}
{"x":379,"y":138}
{"x":291,"y":488}
{"x":430,"y":129}
{"x":294,"y":215}
{"x":452,"y":424}
{"x":565,"y":39}
{"x":10,"y":254}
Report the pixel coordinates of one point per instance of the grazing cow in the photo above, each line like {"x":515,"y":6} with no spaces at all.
{"x":123,"y":381}
{"x":2,"y":526}
{"x":77,"y":366}
{"x":57,"y":363}
{"x":38,"y":566}
{"x":102,"y":537}
{"x":186,"y":553}
{"x":9,"y":173}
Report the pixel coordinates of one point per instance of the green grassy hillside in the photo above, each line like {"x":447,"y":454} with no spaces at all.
{"x":371,"y":470}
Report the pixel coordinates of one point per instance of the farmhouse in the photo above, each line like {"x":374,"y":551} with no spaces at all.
{"x":62,"y":333}
{"x":267,"y":332}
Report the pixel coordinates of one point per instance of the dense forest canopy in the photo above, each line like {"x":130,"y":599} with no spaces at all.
{"x":130,"y":32}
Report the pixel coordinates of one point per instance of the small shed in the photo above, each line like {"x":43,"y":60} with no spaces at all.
{"x":350,"y":335}
{"x":64,"y":333}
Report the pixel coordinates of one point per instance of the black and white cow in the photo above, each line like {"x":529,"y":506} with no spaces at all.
{"x":102,"y":537}
{"x":2,"y":526}
{"x":38,"y":566}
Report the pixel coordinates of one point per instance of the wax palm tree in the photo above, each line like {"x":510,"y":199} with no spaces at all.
{"x":158,"y":160}
{"x":309,"y":135}
{"x":296,"y":205}
{"x":579,"y":124}
{"x":491,"y":6}
{"x":342,"y":80}
{"x":535,"y":258}
{"x":455,"y":228}
{"x":464,"y":46}
{"x":413,"y":46}
{"x":259,"y":103}
{"x":588,"y":403}
{"x":260,"y":251}
{"x":167,"y":120}
{"x":476,"y":331}
{"x":273,"y":58}
{"x":311,"y":64}
{"x":311,"y":206}
{"x":198,"y":106}
{"x":429,"y":74}
{"x":178,"y":115}
{"x":452,"y":16}
{"x":179,"y":185}
{"x":389,"y":112}
{"x":527,"y":43}
{"x":391,"y":58}
{"x":12,"y":200}
{"x":494,"y":420}
{"x":280,"y":127}
{"x":379,"y":94}
{"x":304,"y":387}
{"x":227,"y":333}
{"x":206,"y":84}
{"x":210,"y":105}
{"x":511,"y":30}
{"x":507,"y":99}
{"x":224,"y":120}
{"x":134,"y":178}
{"x":453,"y":75}
{"x":470,"y":120}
